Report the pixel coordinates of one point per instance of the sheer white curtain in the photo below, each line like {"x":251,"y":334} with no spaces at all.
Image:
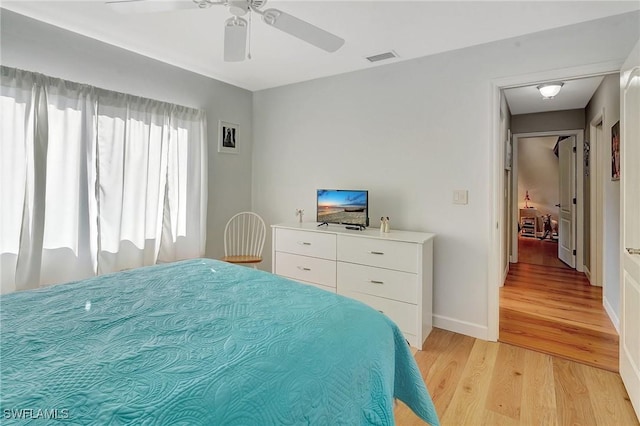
{"x":95,"y":181}
{"x":17,"y":132}
{"x":184,"y":228}
{"x":132,"y":164}
{"x":69,"y":233}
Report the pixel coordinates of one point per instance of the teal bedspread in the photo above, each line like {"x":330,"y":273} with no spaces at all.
{"x":205,"y":343}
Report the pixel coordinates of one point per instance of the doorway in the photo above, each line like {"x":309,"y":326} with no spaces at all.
{"x":536,"y":210}
{"x":501,"y":202}
{"x":551,"y":309}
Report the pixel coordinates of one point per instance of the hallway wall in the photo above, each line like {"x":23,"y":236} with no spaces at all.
{"x":606,"y":99}
{"x":570,"y":119}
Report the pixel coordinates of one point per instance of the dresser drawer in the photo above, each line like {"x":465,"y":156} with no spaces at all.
{"x":402,"y":286}
{"x":314,"y":244}
{"x":375,"y":252}
{"x":304,"y":268}
{"x":403,"y":314}
{"x":322,"y":287}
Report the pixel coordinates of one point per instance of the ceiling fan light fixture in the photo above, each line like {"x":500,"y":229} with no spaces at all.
{"x":238,"y":7}
{"x":235,"y":39}
{"x":550,"y":90}
{"x":202,"y":4}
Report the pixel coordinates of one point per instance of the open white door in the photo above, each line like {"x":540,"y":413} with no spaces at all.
{"x":567,"y":219}
{"x":630,"y":226}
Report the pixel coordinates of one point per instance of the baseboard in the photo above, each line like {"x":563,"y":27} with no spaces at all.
{"x":612,"y":314}
{"x":587,"y":272}
{"x":461,"y":327}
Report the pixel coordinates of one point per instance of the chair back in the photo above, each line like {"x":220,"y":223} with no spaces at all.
{"x":244,"y":235}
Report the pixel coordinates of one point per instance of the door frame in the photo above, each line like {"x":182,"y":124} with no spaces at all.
{"x":496,"y":155}
{"x":579,"y":171}
{"x":596,"y":231}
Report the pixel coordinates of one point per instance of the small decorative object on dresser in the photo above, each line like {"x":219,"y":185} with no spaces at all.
{"x":391,"y":272}
{"x":384,"y":224}
{"x":300,"y":213}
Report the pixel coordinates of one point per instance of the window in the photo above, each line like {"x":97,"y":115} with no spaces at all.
{"x":95,"y":181}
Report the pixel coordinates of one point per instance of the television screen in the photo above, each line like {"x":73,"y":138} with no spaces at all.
{"x":348,"y":207}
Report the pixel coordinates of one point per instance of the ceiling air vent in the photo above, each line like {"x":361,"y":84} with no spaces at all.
{"x":382,"y":56}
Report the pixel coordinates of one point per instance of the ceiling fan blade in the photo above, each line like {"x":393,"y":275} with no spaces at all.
{"x":235,"y":39}
{"x":150,"y":6}
{"x":302,"y":30}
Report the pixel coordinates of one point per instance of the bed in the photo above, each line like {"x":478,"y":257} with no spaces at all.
{"x":201,"y":342}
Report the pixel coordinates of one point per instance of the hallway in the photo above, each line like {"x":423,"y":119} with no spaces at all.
{"x":556,"y":311}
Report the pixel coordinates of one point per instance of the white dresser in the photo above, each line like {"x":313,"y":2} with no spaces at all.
{"x":391,"y":272}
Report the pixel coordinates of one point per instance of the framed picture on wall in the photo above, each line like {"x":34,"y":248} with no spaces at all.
{"x":615,"y":151}
{"x":228,"y":137}
{"x":586,"y":151}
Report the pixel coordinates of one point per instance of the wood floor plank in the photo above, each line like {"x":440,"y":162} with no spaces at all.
{"x":405,"y":417}
{"x":445,"y":375}
{"x":505,"y":390}
{"x":468,"y":404}
{"x":572,"y":394}
{"x":493,"y":418}
{"x":538,"y":391}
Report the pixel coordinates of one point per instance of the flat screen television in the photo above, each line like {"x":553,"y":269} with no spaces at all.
{"x":345,"y":207}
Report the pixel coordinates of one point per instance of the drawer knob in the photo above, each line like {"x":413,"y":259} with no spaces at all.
{"x":376,"y":252}
{"x":302,"y":268}
{"x":376,"y":282}
{"x":304,"y":243}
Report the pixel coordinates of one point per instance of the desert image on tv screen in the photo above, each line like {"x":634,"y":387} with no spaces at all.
{"x":348,"y":207}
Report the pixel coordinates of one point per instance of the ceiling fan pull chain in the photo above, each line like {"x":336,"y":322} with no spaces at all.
{"x":249,"y":38}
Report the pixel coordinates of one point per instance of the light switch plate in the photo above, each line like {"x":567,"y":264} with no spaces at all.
{"x":460,"y":196}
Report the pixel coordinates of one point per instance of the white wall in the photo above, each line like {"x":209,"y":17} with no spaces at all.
{"x":32,"y":45}
{"x":607,"y":99}
{"x":411,"y":133}
{"x":538,"y":173}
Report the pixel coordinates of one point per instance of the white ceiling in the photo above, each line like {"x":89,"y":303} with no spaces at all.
{"x":193,"y":39}
{"x":575,"y":94}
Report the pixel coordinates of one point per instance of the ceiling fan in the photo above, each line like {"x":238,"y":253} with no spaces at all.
{"x":236,"y":27}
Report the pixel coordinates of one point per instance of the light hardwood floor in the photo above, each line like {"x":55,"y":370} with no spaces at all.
{"x":474,"y":382}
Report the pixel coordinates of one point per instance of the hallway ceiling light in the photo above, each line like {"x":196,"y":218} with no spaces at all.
{"x":550,"y":90}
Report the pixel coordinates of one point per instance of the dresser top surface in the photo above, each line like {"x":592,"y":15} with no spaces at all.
{"x":394,"y":235}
